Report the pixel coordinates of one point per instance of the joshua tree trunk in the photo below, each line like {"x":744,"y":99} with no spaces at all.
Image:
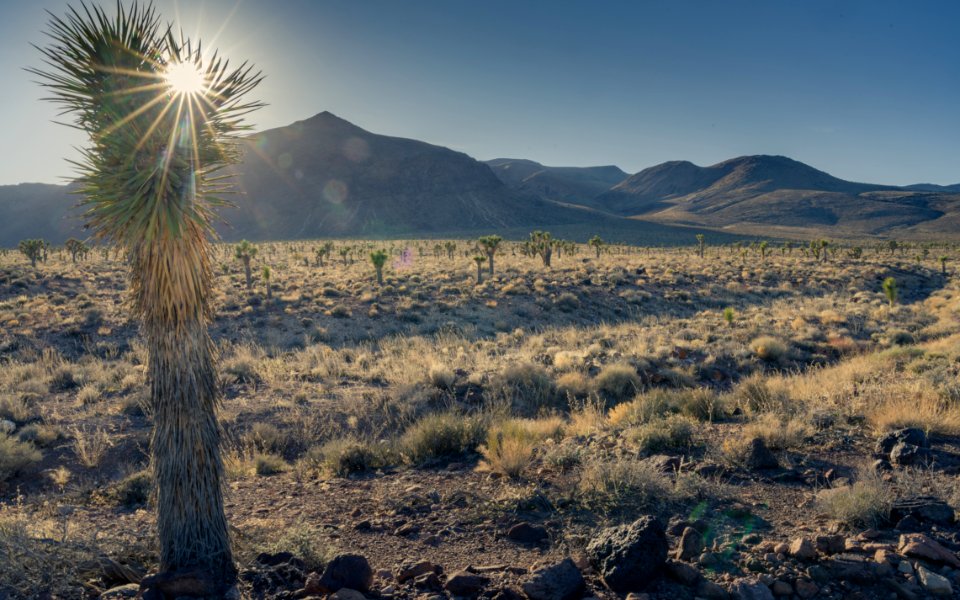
{"x":246,"y":269}
{"x":490,"y":263}
{"x":379,"y":276}
{"x":598,"y":252}
{"x":479,"y":273}
{"x":171,"y":288}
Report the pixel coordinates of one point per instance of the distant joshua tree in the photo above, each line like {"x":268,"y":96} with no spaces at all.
{"x":490,"y":244}
{"x":32,"y":249}
{"x":323,"y":252}
{"x":76,"y":248}
{"x":597,"y":243}
{"x":890,"y":290}
{"x":450,"y":248}
{"x":479,"y":259}
{"x":266,"y":280}
{"x":379,"y":258}
{"x":244,"y":252}
{"x":701,"y":244}
{"x":541,"y":244}
{"x":763,"y":250}
{"x":943,"y":264}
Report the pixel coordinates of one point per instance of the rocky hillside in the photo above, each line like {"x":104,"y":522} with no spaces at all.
{"x":577,"y":185}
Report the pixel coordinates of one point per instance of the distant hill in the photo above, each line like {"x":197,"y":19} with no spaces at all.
{"x":932,"y":187}
{"x":576,"y":185}
{"x":38,"y":210}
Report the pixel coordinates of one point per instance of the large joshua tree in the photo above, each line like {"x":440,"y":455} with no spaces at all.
{"x":162,"y":119}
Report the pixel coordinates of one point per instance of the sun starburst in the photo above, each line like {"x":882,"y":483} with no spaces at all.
{"x":185,"y":78}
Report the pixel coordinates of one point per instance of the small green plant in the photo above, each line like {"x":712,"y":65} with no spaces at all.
{"x":890,"y":290}
{"x":728,"y":316}
{"x":323,"y":252}
{"x":763,"y":250}
{"x":244,"y":252}
{"x":865,"y":503}
{"x":379,"y":258}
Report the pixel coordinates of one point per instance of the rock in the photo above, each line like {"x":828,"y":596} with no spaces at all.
{"x":923,"y":508}
{"x":525,"y":533}
{"x":664,"y":463}
{"x":904,"y":454}
{"x":759,"y":457}
{"x":830,"y":544}
{"x":711,"y":591}
{"x":691,"y":544}
{"x":920,"y":546}
{"x":818,"y":574}
{"x":7,"y":426}
{"x":628,"y":557}
{"x":347,"y":594}
{"x":910,"y":435}
{"x":805,"y":588}
{"x":781,"y":588}
{"x":938,"y":585}
{"x":118,"y":593}
{"x":750,"y":589}
{"x":802,"y":549}
{"x":561,"y":581}
{"x":464,"y":583}
{"x":905,"y":567}
{"x":682,"y":572}
{"x":173,"y":584}
{"x":909,"y":524}
{"x":346,"y":571}
{"x":428,"y":581}
{"x":413,"y":570}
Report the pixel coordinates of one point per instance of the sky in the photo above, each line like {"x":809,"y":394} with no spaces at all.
{"x":868,"y":90}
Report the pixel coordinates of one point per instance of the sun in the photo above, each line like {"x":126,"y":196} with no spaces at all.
{"x":185,"y":78}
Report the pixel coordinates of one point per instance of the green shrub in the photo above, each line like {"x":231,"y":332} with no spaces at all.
{"x":304,"y":541}
{"x":442,"y":435}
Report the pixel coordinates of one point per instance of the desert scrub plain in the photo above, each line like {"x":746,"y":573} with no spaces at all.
{"x":789,"y":416}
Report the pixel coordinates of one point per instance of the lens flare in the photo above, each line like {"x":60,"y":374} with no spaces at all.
{"x":185,"y":78}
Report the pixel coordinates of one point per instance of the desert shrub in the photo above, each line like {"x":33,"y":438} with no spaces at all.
{"x":618,"y":382}
{"x":588,"y":416}
{"x":701,"y":404}
{"x":526,"y":388}
{"x":62,"y":380}
{"x":769,"y":349}
{"x":622,"y":485}
{"x":563,"y":457}
{"x":243,"y":365}
{"x":40,"y":434}
{"x":15,"y":456}
{"x":18,"y":409}
{"x":671,"y":433}
{"x":268,"y":464}
{"x":265,"y":437}
{"x":754,"y":395}
{"x":90,"y":444}
{"x":341,"y":457}
{"x":567,"y":302}
{"x":441,"y":377}
{"x":133,"y":489}
{"x":442,"y":435}
{"x":779,"y":432}
{"x":87,"y":395}
{"x":511,"y":444}
{"x":642,"y":409}
{"x":573,"y":385}
{"x":865,"y":503}
{"x":305,"y":541}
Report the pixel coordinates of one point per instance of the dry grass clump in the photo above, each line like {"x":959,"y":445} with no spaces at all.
{"x":779,"y":432}
{"x":674,"y":432}
{"x":642,"y":409}
{"x":527,"y":388}
{"x":441,"y":376}
{"x":344,"y":456}
{"x":914,"y":404}
{"x":617,"y":382}
{"x":90,"y":444}
{"x":769,"y":348}
{"x":16,"y":456}
{"x":18,"y":409}
{"x":511,"y":445}
{"x":573,"y":385}
{"x":265,"y":464}
{"x":615,"y":485}
{"x":755,"y":395}
{"x":865,"y":503}
{"x":442,"y":435}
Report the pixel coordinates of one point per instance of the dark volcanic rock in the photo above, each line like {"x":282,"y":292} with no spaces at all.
{"x":925,"y":509}
{"x":561,"y":581}
{"x":347,"y":571}
{"x":525,"y":533}
{"x":629,"y":557}
{"x":910,"y":435}
{"x":759,"y":457}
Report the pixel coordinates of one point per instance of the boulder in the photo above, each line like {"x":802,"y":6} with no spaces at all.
{"x":937,"y":585}
{"x":909,"y":435}
{"x":346,"y":571}
{"x":918,"y":545}
{"x":750,"y":589}
{"x":464,"y":583}
{"x":904,"y":454}
{"x":561,"y":581}
{"x":925,"y":509}
{"x":629,"y":557}
{"x":525,"y":533}
{"x":691,"y":544}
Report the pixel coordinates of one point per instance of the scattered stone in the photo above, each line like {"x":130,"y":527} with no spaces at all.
{"x":781,"y":588}
{"x":905,"y":567}
{"x":525,"y":533}
{"x":682,"y":572}
{"x":904,"y":454}
{"x":818,"y":574}
{"x":802,"y":549}
{"x":750,"y":589}
{"x":920,"y":546}
{"x":759,"y":457}
{"x":414,"y":570}
{"x":561,"y":581}
{"x":924,"y":509}
{"x":805,"y":588}
{"x":710,"y":590}
{"x":428,"y":581}
{"x":119,"y":593}
{"x":467,"y":584}
{"x":938,"y":585}
{"x":910,"y":435}
{"x":347,"y":594}
{"x":346,"y":571}
{"x":691,"y":544}
{"x":628,"y":557}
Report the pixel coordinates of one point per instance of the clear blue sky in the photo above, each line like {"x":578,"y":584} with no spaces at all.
{"x":868,"y":90}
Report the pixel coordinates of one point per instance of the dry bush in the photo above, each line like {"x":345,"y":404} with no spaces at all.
{"x":588,"y":417}
{"x":621,"y":485}
{"x":674,"y":432}
{"x":573,"y":385}
{"x":617,"y":382}
{"x":344,"y":456}
{"x":268,"y":464}
{"x":526,"y":388}
{"x":642,"y":409}
{"x":16,"y":456}
{"x":779,"y":432}
{"x":754,"y":395}
{"x":511,"y":445}
{"x":769,"y":348}
{"x":442,"y":435}
{"x":865,"y":503}
{"x":913,"y":404}
{"x":90,"y":444}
